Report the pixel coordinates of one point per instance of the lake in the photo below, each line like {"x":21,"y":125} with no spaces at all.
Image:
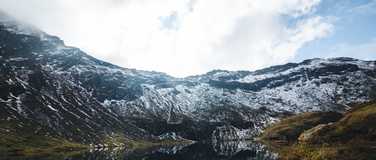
{"x":239,"y":150}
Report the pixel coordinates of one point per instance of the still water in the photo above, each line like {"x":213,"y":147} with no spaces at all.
{"x":197,"y":151}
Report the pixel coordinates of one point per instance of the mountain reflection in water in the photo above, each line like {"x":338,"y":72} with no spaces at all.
{"x":235,"y":150}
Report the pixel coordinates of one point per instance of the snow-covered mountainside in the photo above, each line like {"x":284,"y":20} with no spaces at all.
{"x":249,"y":100}
{"x":38,"y":97}
{"x":42,"y":81}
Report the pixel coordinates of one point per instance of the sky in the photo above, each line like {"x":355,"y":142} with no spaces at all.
{"x":190,"y":37}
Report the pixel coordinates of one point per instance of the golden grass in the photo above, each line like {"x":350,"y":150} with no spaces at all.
{"x":290,"y":128}
{"x":353,"y":137}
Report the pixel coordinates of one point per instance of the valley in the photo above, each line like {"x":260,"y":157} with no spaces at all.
{"x":57,"y":98}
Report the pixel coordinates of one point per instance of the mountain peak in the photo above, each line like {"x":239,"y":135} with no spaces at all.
{"x":62,"y":88}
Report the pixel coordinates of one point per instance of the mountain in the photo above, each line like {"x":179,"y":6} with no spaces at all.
{"x":37,"y":95}
{"x":60,"y":90}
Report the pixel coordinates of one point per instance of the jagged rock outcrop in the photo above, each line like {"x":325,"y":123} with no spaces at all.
{"x":310,"y":134}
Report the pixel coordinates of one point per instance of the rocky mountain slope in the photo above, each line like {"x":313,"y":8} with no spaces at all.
{"x":38,"y":98}
{"x":66,"y":92}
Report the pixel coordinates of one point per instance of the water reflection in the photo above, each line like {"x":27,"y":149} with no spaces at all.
{"x":198,"y":151}
{"x":233,"y":148}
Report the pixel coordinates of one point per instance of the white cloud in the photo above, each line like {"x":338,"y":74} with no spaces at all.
{"x":180,"y":37}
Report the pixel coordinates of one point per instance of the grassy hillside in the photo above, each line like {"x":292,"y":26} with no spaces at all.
{"x":20,"y":142}
{"x":14,"y":145}
{"x":289,"y":129}
{"x":326,"y":136}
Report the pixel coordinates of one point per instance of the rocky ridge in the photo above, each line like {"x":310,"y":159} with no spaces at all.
{"x":64,"y":90}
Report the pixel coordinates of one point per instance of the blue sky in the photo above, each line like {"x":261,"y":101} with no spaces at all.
{"x":354,"y":33}
{"x":189,"y":37}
